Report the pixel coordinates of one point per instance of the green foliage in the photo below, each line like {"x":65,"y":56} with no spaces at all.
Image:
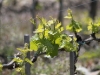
{"x":74,"y":25}
{"x":20,"y":70}
{"x":22,"y":59}
{"x":49,"y":37}
{"x":93,"y":27}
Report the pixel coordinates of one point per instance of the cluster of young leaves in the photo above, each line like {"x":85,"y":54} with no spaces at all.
{"x":94,"y":27}
{"x":49,"y":38}
{"x":22,"y":59}
{"x":74,"y":26}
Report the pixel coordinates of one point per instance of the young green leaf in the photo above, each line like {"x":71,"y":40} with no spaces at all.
{"x":33,"y":46}
{"x":19,"y":69}
{"x":18,"y":60}
{"x":29,"y":61}
{"x":69,"y":16}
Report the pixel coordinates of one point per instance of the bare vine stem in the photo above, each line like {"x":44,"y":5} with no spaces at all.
{"x":80,"y":41}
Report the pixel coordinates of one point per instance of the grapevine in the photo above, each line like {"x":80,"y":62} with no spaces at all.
{"x":49,"y":39}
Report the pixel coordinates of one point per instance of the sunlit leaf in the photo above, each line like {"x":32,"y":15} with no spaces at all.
{"x":58,"y":25}
{"x":58,"y":40}
{"x":52,"y":33}
{"x":29,"y":61}
{"x":44,"y":21}
{"x":33,"y":46}
{"x":90,"y":27}
{"x":23,"y":50}
{"x":19,"y":60}
{"x":69,"y":27}
{"x":61,"y":29}
{"x":78,"y":30}
{"x":93,"y":27}
{"x":39,"y":31}
{"x":19,"y":69}
{"x":50,"y":22}
{"x":68,"y":17}
{"x":46,"y":33}
{"x":35,"y":37}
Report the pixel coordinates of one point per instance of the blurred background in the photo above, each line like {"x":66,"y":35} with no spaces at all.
{"x":15,"y":18}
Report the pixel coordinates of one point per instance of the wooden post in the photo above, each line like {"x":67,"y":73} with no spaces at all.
{"x":27,"y":65}
{"x":72,"y":60}
{"x":93,"y":8}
